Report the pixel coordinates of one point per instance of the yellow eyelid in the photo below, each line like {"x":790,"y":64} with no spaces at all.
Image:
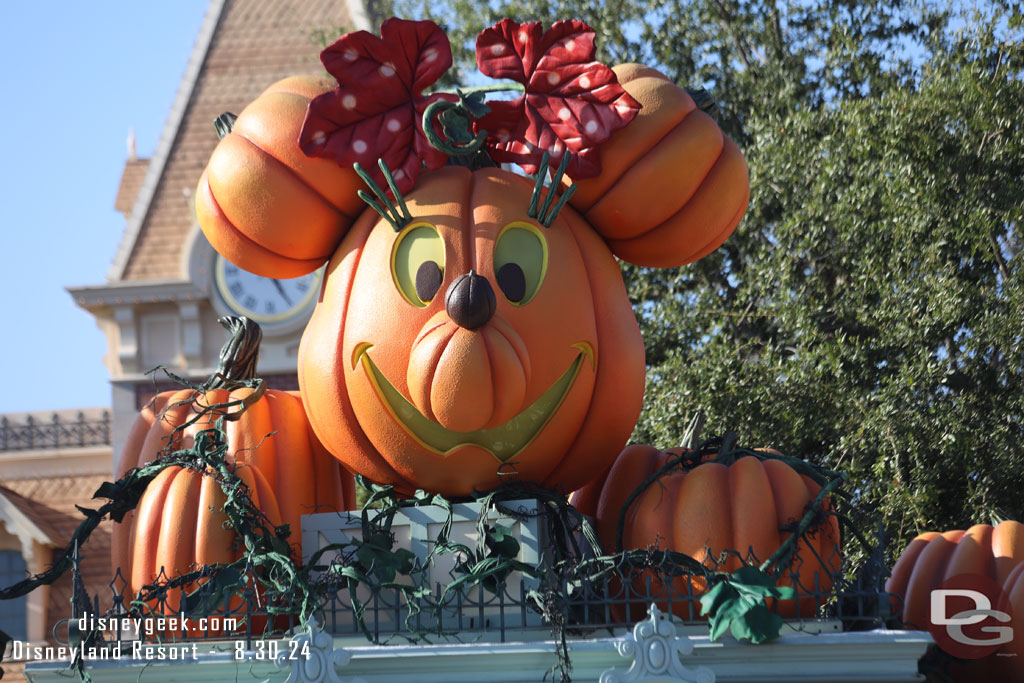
{"x":530,"y":227}
{"x":412,"y":297}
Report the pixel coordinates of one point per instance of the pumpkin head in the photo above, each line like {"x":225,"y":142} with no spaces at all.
{"x":471,"y":339}
{"x":473,"y":345}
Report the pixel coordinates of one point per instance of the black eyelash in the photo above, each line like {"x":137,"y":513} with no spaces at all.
{"x":547,"y":213}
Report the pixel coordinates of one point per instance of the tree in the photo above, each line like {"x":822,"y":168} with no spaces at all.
{"x":867,"y":313}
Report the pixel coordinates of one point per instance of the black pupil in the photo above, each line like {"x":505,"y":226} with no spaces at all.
{"x":428,"y":280}
{"x":512,"y":281}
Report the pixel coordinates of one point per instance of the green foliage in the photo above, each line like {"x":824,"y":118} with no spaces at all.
{"x":867,"y":312}
{"x":736,"y":604}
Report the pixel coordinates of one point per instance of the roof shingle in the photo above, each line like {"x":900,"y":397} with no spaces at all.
{"x":257,"y":42}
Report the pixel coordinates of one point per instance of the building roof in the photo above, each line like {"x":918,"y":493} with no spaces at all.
{"x":243,"y":47}
{"x":131,"y":180}
{"x":49,"y":502}
{"x":36,"y":514}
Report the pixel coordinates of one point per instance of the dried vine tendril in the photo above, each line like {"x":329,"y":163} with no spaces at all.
{"x":373,"y":563}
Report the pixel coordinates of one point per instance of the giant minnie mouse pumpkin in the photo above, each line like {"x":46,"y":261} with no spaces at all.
{"x":473,"y":326}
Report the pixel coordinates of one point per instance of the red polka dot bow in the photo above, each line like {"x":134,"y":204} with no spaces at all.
{"x":377,"y":109}
{"x":570,"y":102}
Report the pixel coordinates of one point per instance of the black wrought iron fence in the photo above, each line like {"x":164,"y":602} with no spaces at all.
{"x":60,"y":431}
{"x":508,"y":611}
{"x":841,"y":600}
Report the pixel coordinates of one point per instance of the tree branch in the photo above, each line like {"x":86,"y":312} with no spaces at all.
{"x":729,"y":23}
{"x":1000,"y":263}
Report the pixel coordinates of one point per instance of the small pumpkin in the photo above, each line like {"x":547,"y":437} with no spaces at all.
{"x":672,"y":186}
{"x":179,"y":523}
{"x":261,"y":202}
{"x":996,"y":553}
{"x":710,"y":509}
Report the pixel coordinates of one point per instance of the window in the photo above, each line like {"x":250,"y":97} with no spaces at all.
{"x":12,"y":612}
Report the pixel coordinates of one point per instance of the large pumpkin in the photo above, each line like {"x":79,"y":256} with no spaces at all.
{"x":178,"y":523}
{"x":262,"y":203}
{"x":996,"y":553}
{"x":475,"y":346}
{"x":713,"y":508}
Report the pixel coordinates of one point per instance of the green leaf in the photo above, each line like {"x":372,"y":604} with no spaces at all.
{"x":750,"y":575}
{"x":756,"y":624}
{"x":712,"y":600}
{"x":737,"y":604}
{"x":501,"y":543}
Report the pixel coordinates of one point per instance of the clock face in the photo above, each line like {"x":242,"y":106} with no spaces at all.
{"x":264,"y":299}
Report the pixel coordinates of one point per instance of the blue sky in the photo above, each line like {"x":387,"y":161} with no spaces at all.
{"x":76,"y":79}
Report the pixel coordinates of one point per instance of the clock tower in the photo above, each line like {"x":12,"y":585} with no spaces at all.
{"x":167,"y":287}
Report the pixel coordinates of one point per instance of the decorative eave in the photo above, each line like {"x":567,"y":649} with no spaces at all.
{"x":163,"y":149}
{"x":132,"y":292}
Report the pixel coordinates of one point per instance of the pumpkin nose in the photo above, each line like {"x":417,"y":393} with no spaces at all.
{"x":470,"y":301}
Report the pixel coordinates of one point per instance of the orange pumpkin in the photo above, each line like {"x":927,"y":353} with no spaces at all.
{"x":711,"y":509}
{"x":262,"y":203}
{"x":460,"y":376}
{"x":672,"y":186}
{"x":178,"y":523}
{"x":474,"y":346}
{"x":996,"y":553}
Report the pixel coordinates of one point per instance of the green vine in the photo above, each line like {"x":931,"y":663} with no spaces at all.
{"x":575,"y":561}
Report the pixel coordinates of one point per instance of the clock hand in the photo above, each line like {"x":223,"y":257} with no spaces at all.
{"x":280,"y":290}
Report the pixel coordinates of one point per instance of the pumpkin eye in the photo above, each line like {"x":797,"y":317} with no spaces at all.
{"x":417,"y":263}
{"x":520,"y":262}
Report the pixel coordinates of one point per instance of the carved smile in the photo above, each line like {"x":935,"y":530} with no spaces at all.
{"x":503,"y":441}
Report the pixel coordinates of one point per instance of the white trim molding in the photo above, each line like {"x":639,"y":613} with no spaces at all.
{"x":854,"y":657}
{"x":657,"y":653}
{"x":27,"y":464}
{"x":134,"y":292}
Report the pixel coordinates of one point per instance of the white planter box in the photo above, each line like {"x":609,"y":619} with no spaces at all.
{"x":416,"y":529}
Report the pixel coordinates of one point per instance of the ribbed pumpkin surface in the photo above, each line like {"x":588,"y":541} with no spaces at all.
{"x":994,"y":552}
{"x":713,"y":508}
{"x":288,"y":474}
{"x":261,"y":202}
{"x":672,"y":187}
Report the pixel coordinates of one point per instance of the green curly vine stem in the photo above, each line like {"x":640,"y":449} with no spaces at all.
{"x":439,"y":143}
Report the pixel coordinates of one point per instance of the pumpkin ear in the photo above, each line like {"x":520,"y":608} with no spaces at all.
{"x":263,"y":204}
{"x":672,"y":187}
